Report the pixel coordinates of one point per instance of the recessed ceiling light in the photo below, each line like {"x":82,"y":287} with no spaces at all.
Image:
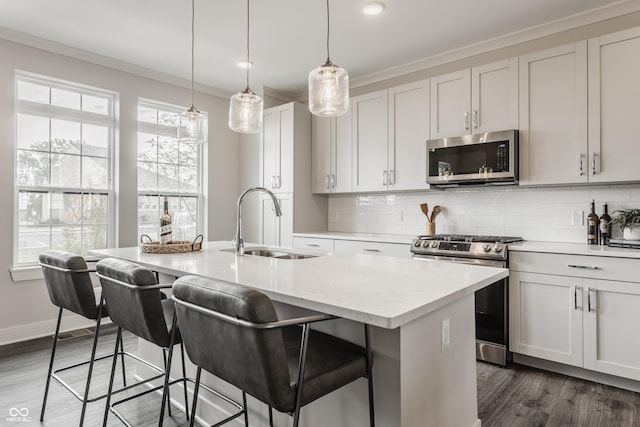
{"x":244,"y":64}
{"x":373,"y":8}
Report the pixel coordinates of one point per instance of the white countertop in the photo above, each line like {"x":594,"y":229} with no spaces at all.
{"x":574,"y":249}
{"x":381,"y":291}
{"x":364,"y":237}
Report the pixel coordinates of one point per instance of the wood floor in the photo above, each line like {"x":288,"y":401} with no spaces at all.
{"x":513,"y":396}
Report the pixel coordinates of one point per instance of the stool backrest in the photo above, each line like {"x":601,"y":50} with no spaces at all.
{"x":253,"y":360}
{"x":130,"y":305}
{"x":68,"y":282}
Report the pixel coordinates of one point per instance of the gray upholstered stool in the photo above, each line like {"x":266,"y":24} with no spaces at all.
{"x":234,"y":333}
{"x":69,"y":286}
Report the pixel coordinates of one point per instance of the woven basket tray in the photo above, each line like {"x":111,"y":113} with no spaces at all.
{"x":173,"y":247}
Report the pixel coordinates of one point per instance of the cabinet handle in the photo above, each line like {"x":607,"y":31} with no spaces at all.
{"x":392,"y":177}
{"x":273,"y":181}
{"x":327,"y":182}
{"x":313,"y":245}
{"x":384,"y":179}
{"x":593,"y":163}
{"x":580,"y":168}
{"x":466,"y":120}
{"x":279,"y":181}
{"x":475,"y":119}
{"x":589,"y":299}
{"x":371,"y":250}
{"x":584,"y":267}
{"x":333,"y":181}
{"x":575,"y":297}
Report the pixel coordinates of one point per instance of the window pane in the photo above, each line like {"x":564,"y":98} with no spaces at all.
{"x":32,"y":241}
{"x":67,"y":238}
{"x":33,"y":132}
{"x":168,"y":118}
{"x":167,"y":150}
{"x":95,"y":140}
{"x":65,"y":136}
{"x":148,"y":216}
{"x":147,"y":147}
{"x":94,"y":172}
{"x":95,"y":209}
{"x":188,"y":154}
{"x":185,"y":221}
{"x":32,"y":168}
{"x":94,"y":237}
{"x":30,"y":207}
{"x":95,"y":104}
{"x":188,"y":179}
{"x":65,"y":98}
{"x":147,"y":176}
{"x":33,"y":92}
{"x":168,"y":177}
{"x":147,"y":114}
{"x":65,"y":170}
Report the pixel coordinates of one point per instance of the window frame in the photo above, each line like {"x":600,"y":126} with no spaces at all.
{"x":54,"y":112}
{"x":170,"y":131}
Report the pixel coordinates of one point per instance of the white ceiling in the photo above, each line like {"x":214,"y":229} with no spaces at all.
{"x":287,"y":36}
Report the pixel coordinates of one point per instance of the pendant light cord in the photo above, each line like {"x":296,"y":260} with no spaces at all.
{"x":327,"y":30}
{"x":248,"y":63}
{"x":193,"y":20}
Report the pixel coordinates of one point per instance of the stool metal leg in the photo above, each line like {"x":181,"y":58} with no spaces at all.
{"x":367,"y":339}
{"x":53,"y":354}
{"x":270,"y":417}
{"x":113,"y":373}
{"x":96,"y":334}
{"x":167,"y":395}
{"x":124,"y":376}
{"x":184,"y":382}
{"x":301,"y":366}
{"x":167,"y":372}
{"x":195,"y":397}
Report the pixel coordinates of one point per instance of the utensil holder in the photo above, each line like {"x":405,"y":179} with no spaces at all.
{"x":431,"y":228}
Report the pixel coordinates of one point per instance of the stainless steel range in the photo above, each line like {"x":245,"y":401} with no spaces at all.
{"x":492,"y":308}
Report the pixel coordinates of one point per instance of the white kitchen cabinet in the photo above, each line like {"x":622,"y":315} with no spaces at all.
{"x":313,"y":243}
{"x":477,"y":100}
{"x":576,"y":310}
{"x":614,"y":103}
{"x":553,"y":116}
{"x":408,"y":112}
{"x":332,"y":154}
{"x":285,"y":159}
{"x":369,"y":127}
{"x":398,"y":250}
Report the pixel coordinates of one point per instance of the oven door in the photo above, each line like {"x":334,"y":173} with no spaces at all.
{"x":491,"y":312}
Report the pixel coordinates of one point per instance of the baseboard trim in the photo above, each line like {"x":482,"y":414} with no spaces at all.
{"x":45,"y":328}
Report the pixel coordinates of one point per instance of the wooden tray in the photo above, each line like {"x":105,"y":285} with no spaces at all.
{"x":173,"y":247}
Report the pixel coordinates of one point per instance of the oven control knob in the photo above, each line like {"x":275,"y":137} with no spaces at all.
{"x":486,"y":247}
{"x":425,"y":244}
{"x":497,"y":248}
{"x":434,"y":244}
{"x":416,"y":243}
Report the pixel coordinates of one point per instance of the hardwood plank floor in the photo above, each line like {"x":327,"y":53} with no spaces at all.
{"x":516,"y":396}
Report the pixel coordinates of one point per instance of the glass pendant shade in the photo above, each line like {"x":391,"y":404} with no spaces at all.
{"x":328,"y":90}
{"x":193,"y":126}
{"x":245,"y":112}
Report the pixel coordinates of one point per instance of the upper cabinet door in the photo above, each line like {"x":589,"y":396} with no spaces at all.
{"x":270,"y":156}
{"x":342,"y":155}
{"x":494,"y":96}
{"x":408,"y":134}
{"x":450,"y":104}
{"x":322,"y":142}
{"x":369,"y":122}
{"x":553,"y":116}
{"x":614,"y":104}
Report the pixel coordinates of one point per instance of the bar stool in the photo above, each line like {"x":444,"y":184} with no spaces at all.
{"x":233,"y":332}
{"x":69,"y":286}
{"x":138,"y":305}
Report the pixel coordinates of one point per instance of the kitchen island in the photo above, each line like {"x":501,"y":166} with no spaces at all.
{"x":422,"y":313}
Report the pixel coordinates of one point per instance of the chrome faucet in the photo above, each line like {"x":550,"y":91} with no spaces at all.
{"x":239,"y":241}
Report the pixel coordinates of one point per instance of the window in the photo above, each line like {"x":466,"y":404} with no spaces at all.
{"x":64,"y":146}
{"x":167,"y":168}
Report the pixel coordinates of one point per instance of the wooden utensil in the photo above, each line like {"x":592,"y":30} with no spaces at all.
{"x":436,"y":210}
{"x":425,"y":209}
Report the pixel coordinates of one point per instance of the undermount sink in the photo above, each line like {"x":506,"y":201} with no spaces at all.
{"x":264,"y":252}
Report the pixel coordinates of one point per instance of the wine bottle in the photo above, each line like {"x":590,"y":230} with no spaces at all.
{"x":165,"y":224}
{"x":592,"y":225}
{"x":605,"y":226}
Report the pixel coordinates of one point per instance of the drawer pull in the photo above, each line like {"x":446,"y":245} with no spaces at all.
{"x":313,"y":245}
{"x":584,"y":267}
{"x":371,"y":250}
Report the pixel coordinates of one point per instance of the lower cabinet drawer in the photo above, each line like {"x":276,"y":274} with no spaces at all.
{"x":398,"y":250}
{"x":313,"y":243}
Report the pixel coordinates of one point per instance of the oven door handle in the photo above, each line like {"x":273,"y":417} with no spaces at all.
{"x":461,"y":260}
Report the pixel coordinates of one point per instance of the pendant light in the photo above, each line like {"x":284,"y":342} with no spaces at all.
{"x":328,"y":87}
{"x":192,"y":125}
{"x":245,"y":107}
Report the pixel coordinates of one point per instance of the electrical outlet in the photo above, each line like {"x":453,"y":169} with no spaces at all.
{"x":445,"y":334}
{"x":577,"y":218}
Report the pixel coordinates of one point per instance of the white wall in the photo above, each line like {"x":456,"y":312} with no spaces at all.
{"x":25,"y":309}
{"x":533,"y":213}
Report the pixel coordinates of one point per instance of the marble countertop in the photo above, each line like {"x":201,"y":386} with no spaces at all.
{"x":574,"y":249}
{"x":381,"y":291}
{"x":364,"y":237}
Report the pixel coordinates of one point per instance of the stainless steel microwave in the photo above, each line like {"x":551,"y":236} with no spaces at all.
{"x":487,"y":158}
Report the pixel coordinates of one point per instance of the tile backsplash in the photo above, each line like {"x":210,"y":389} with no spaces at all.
{"x":533,"y":213}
